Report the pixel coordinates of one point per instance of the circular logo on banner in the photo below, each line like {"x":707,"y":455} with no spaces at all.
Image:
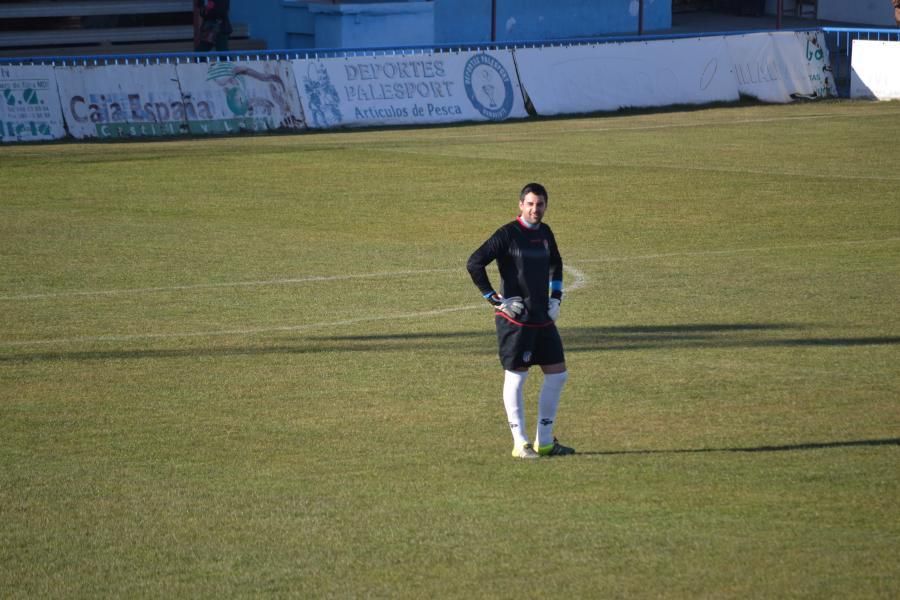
{"x":488,"y":86}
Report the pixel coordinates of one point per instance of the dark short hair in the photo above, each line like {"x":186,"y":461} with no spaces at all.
{"x":536,"y":189}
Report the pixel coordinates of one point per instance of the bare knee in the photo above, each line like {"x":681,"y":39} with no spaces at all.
{"x":554,"y":368}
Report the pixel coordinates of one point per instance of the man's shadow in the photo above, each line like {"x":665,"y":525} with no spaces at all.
{"x":752,"y":449}
{"x":477,"y":342}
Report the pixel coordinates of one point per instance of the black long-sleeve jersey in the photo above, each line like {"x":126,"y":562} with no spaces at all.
{"x":528,"y":260}
{"x":214,"y":10}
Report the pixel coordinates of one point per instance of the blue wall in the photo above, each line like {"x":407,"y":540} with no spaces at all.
{"x":383,"y":24}
{"x":300,"y":24}
{"x":265,"y":18}
{"x":461,"y":21}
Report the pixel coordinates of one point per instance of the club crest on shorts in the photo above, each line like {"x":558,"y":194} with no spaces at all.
{"x":526,"y":357}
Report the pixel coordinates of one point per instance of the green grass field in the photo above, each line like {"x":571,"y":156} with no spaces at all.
{"x":257,"y":366}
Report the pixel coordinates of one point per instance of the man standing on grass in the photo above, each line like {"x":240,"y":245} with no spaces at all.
{"x":525,"y":313}
{"x":212,"y":25}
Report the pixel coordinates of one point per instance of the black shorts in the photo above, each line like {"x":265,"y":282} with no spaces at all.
{"x":522,"y":346}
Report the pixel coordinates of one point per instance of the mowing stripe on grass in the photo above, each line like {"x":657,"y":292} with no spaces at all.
{"x":567,"y":161}
{"x":809,"y":117}
{"x":337,"y":139}
{"x":737,"y":250}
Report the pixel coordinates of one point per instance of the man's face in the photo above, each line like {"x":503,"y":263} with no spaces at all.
{"x":532,"y":208}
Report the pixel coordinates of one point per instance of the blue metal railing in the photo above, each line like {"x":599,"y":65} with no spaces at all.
{"x":105,"y":59}
{"x":839,"y":40}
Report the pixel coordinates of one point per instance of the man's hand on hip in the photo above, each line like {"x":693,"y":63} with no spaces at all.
{"x":513,"y":307}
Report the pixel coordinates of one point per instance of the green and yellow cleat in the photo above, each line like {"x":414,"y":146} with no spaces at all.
{"x":555,"y":449}
{"x":524,"y":451}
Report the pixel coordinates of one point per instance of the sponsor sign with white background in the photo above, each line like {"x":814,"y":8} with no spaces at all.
{"x":778,"y":66}
{"x":607,"y":77}
{"x":409,"y":89}
{"x":29,"y":104}
{"x":116,"y":101}
{"x":111,"y":101}
{"x":241,"y":96}
{"x":814,"y":52}
{"x":875,"y":70}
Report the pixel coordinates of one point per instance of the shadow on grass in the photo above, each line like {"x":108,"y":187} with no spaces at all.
{"x":643,"y":337}
{"x":575,"y":339}
{"x":784,"y":448}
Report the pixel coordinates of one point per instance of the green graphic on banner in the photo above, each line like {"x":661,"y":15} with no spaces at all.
{"x":128,"y":130}
{"x":821,"y":75}
{"x":28,"y":111}
{"x":235,"y":125}
{"x":27,"y":96}
{"x":207,"y":127}
{"x":244,"y":97}
{"x":24,"y":130}
{"x":20,"y":93}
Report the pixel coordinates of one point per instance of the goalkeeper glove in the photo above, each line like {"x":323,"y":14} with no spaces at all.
{"x":553,"y":309}
{"x":513,"y":307}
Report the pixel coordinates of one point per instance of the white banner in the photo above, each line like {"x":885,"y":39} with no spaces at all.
{"x":818,"y":63}
{"x":875,"y":70}
{"x":770,"y":66}
{"x":409,"y":89}
{"x":241,"y":96}
{"x":606,"y":77}
{"x":115,"y":101}
{"x":29,"y":104}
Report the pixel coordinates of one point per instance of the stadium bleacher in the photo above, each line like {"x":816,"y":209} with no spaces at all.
{"x":79,"y":27}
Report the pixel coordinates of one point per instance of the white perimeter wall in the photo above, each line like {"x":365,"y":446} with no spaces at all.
{"x":875,"y":70}
{"x":175,"y":99}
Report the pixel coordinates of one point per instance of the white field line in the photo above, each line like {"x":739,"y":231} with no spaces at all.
{"x":239,"y":332}
{"x":231,"y":284}
{"x":579,"y":281}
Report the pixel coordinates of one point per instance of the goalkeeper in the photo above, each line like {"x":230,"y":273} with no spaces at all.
{"x":525,"y":313}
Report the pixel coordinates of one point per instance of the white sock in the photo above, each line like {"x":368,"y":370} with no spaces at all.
{"x":514,"y":402}
{"x":548,"y":403}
